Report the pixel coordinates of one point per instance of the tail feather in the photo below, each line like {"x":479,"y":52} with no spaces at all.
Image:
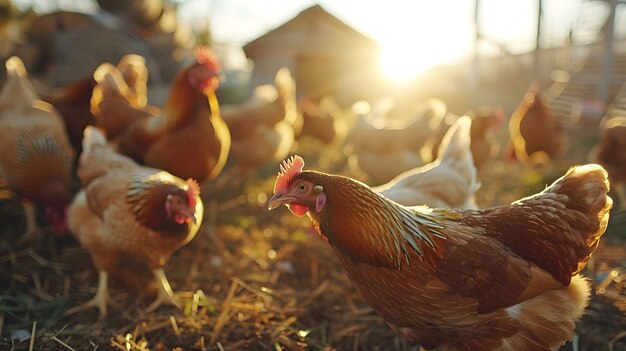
{"x":17,"y":83}
{"x":450,"y":181}
{"x":109,"y":77}
{"x":586,"y":188}
{"x":15,"y":67}
{"x":569,"y":217}
{"x":456,"y":152}
{"x":456,"y":141}
{"x":135,"y":74}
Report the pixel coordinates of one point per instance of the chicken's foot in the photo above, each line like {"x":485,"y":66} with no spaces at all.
{"x":100,"y":300}
{"x":166,"y":295}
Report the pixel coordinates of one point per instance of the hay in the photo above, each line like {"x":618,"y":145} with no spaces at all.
{"x":251,"y":279}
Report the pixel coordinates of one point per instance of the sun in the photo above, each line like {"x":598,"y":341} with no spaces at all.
{"x":401,"y":63}
{"x":415,"y":40}
{"x":402,"y":60}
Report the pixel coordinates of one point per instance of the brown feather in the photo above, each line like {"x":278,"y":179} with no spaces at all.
{"x":378,"y":240}
{"x":44,"y":169}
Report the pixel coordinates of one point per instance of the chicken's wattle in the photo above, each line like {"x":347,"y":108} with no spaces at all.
{"x":298,"y":209}
{"x":180,"y":219}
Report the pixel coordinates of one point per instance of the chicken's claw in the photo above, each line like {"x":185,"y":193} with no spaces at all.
{"x":100,"y":300}
{"x":166,"y":295}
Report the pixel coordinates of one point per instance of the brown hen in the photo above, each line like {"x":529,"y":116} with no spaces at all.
{"x":536,"y":136}
{"x":504,"y":278}
{"x":324,"y":121}
{"x":187,"y":138}
{"x":36,"y":157}
{"x":128,"y":210}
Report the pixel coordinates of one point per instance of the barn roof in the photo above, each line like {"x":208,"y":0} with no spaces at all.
{"x":314,"y":31}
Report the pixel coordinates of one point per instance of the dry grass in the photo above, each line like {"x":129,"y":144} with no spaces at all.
{"x":251,"y":279}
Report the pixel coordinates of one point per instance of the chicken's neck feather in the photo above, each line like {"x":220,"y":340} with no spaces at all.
{"x":147,"y":196}
{"x":370,"y":228}
{"x":182,"y":106}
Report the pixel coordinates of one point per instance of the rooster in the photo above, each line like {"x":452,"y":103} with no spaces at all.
{"x":162,"y":138}
{"x":504,"y":278}
{"x":536,"y":136}
{"x":449,"y":181}
{"x":126,"y":210}
{"x":36,"y":157}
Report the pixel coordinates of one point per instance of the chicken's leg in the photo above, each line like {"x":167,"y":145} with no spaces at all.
{"x":30,"y":212}
{"x":166,"y":295}
{"x":100,"y":300}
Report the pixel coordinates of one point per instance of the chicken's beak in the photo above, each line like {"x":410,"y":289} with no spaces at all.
{"x":277,"y":200}
{"x":188,"y":215}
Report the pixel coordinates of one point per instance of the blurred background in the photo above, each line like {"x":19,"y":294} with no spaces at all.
{"x":447,"y":49}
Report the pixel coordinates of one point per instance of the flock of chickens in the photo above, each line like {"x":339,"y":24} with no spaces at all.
{"x":439,"y":270}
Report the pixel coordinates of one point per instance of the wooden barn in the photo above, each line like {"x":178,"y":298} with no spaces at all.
{"x":325,"y":56}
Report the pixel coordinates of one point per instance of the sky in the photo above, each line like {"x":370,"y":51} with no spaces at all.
{"x":414,"y":34}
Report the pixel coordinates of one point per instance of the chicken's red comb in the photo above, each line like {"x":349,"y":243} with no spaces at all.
{"x":205,"y":56}
{"x":288,"y":169}
{"x":193,"y":190}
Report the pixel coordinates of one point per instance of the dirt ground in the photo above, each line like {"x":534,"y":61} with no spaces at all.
{"x":253,"y":280}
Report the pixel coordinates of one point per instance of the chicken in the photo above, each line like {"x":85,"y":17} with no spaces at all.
{"x":536,"y":136}
{"x":73,"y":100}
{"x":383,"y":149}
{"x":504,"y":278}
{"x":264,"y":127}
{"x":128,"y":210}
{"x":36,"y":157}
{"x":447,"y":182}
{"x":324,"y":121}
{"x":485,"y":146}
{"x":161,"y":137}
{"x":611,"y":154}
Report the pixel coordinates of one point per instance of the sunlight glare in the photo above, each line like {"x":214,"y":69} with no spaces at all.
{"x":416,"y":39}
{"x":402,"y":60}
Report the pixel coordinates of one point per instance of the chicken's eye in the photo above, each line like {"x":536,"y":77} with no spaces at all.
{"x":302,"y":187}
